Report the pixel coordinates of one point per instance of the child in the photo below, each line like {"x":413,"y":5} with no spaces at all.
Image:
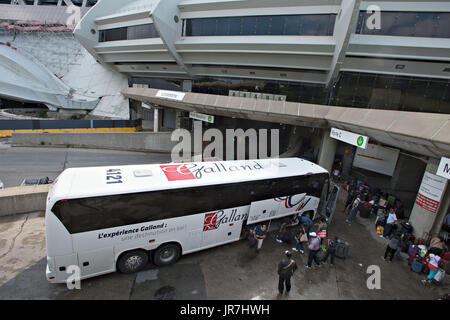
{"x":433,"y":265}
{"x":331,"y":250}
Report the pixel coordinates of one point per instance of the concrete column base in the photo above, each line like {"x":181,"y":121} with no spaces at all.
{"x":423,"y":220}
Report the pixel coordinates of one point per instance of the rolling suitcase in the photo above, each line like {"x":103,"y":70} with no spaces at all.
{"x":342,"y":248}
{"x":417,"y":265}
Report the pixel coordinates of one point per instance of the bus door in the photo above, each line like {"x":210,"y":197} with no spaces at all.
{"x":96,"y":261}
{"x":222,"y":226}
{"x":327,"y":210}
{"x":263,"y":210}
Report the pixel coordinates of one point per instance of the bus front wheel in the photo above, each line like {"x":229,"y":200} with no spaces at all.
{"x":132,"y":261}
{"x":166,"y":254}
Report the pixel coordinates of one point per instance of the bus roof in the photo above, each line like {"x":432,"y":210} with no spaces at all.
{"x":76,"y":183}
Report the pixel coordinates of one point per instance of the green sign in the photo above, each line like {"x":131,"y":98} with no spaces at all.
{"x":360,"y":141}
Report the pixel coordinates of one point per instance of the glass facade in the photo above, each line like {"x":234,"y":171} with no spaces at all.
{"x":144,"y":31}
{"x":286,"y":25}
{"x":357,"y":90}
{"x":364,"y":90}
{"x":407,"y":24}
{"x":304,"y":92}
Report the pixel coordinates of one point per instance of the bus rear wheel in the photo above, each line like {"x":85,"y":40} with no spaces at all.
{"x":166,"y":254}
{"x":132,"y":261}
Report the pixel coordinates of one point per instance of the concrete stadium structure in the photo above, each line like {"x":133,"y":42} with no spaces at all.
{"x":291,"y":63}
{"x":42,"y":63}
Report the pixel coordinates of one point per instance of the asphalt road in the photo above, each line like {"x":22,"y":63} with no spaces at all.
{"x":16,"y":164}
{"x":230,"y":272}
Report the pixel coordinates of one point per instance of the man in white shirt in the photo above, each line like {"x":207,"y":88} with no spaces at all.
{"x":391,"y":220}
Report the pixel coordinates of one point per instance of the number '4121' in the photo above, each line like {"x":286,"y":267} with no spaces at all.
{"x":113,"y":176}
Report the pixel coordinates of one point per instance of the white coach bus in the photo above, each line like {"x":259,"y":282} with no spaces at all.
{"x":104,"y":219}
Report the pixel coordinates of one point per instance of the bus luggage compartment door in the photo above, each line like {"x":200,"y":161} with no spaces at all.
{"x":263,"y":210}
{"x":97,"y":261}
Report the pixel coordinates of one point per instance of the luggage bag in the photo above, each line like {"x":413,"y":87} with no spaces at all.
{"x":342,"y":248}
{"x":439,"y":275}
{"x":417,"y":265}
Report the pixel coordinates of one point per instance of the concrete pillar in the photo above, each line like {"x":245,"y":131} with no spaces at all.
{"x":157,"y":120}
{"x":443,"y":210}
{"x":425,"y":221}
{"x":327,"y":151}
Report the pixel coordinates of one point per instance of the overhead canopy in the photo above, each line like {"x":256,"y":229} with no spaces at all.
{"x":426,"y":134}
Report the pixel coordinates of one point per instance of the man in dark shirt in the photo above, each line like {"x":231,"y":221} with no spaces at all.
{"x":260,"y":234}
{"x":286,"y":269}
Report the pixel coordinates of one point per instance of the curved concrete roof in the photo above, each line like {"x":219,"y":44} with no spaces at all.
{"x":25,"y":79}
{"x":426,"y":134}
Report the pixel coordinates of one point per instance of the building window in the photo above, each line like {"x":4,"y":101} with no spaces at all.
{"x":295,"y":25}
{"x":408,"y":24}
{"x":144,"y":31}
{"x":364,"y":90}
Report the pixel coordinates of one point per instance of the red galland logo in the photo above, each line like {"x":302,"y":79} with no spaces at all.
{"x":175,"y":172}
{"x":210,"y":222}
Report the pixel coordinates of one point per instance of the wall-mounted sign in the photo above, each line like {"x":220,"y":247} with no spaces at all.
{"x":349,"y":137}
{"x":202,"y":117}
{"x":174,"y":95}
{"x":430,"y":191}
{"x":377,"y":159}
{"x":444,"y":168}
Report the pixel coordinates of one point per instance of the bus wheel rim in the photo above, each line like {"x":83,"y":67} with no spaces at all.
{"x":133,"y":262}
{"x":167,"y":254}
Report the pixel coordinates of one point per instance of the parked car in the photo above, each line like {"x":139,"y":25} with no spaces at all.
{"x":36,"y":181}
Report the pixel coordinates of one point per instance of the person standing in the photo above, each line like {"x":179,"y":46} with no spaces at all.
{"x":286,"y":269}
{"x":260,"y":234}
{"x":350,"y":198}
{"x":307,"y":222}
{"x":314,"y":247}
{"x":354,"y":210}
{"x":391,"y":220}
{"x":301,"y":238}
{"x":331,"y":250}
{"x":391,"y":248}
